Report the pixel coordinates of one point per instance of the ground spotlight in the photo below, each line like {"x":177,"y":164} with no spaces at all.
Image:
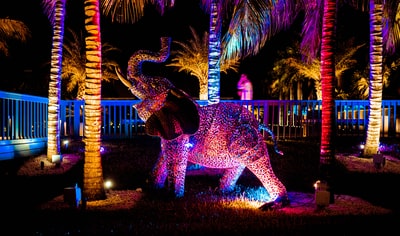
{"x":322,"y":195}
{"x":108,"y":184}
{"x":65,"y":143}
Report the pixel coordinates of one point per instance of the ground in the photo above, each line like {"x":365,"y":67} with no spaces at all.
{"x":300,"y":203}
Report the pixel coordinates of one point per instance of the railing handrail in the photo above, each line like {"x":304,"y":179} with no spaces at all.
{"x":25,"y":116}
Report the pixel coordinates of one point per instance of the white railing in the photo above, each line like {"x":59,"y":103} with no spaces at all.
{"x":25,"y":117}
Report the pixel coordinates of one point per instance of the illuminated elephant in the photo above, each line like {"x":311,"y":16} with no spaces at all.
{"x":222,"y":135}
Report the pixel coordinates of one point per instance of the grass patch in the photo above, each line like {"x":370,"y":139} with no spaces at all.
{"x":204,"y":209}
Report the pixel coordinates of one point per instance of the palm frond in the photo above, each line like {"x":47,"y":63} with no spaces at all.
{"x":291,"y":63}
{"x":255,"y":22}
{"x":391,"y":29}
{"x":74,"y":61}
{"x":12,"y":30}
{"x":247,"y":29}
{"x":49,"y":7}
{"x":192,"y":57}
{"x":127,"y":11}
{"x":344,"y":62}
{"x":312,"y":28}
{"x":360,"y":86}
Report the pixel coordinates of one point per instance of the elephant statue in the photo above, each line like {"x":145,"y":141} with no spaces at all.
{"x":222,"y":135}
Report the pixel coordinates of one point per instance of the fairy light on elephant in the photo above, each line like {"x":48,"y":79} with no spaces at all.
{"x":221,"y":135}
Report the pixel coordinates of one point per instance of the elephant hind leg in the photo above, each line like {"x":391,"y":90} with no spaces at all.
{"x":230,"y":177}
{"x":263,"y":170}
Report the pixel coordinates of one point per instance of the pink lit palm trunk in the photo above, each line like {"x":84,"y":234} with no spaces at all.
{"x":93,"y":171}
{"x":327,"y":83}
{"x":53,"y":125}
{"x":375,"y":85}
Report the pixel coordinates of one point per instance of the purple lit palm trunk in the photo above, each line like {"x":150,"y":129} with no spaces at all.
{"x":375,"y":85}
{"x":53,"y":126}
{"x":93,"y":188}
{"x":327,"y":83}
{"x":214,"y":54}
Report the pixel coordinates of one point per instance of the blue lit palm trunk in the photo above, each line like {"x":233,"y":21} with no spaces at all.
{"x":214,"y":54}
{"x":93,"y":188}
{"x":53,"y":125}
{"x":375,"y":85}
{"x":327,"y":154}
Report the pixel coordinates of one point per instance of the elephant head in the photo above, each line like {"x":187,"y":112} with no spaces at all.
{"x":167,"y":111}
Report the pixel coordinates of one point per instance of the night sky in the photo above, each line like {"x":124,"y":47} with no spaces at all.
{"x":26,"y":69}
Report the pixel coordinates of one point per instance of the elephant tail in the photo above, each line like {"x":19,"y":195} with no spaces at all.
{"x":265,"y":128}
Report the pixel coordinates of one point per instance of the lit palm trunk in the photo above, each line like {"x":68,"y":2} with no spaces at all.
{"x":327,"y":84}
{"x":53,"y":125}
{"x":93,"y":188}
{"x":214,"y":55}
{"x":375,"y":85}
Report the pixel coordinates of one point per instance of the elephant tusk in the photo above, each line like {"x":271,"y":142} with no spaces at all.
{"x":121,"y":77}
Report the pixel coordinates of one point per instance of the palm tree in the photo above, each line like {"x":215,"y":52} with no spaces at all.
{"x":73,"y":65}
{"x":12,"y":30}
{"x":192,"y":57}
{"x":293,"y":69}
{"x":93,"y":183}
{"x":375,"y":85}
{"x":384,"y":37}
{"x":251,"y":25}
{"x":247,"y":14}
{"x":55,"y":10}
{"x":327,"y":155}
{"x":214,"y":53}
{"x":311,"y":43}
{"x":121,"y":11}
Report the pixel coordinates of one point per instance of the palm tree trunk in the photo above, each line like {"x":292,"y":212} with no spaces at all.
{"x":327,"y":154}
{"x":93,"y":188}
{"x":214,"y":54}
{"x":53,"y":125}
{"x":375,"y":85}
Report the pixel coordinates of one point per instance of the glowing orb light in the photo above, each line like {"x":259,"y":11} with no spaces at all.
{"x":108,"y":184}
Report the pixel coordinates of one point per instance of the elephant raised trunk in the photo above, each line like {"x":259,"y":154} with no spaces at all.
{"x":222,"y":135}
{"x":143,"y":86}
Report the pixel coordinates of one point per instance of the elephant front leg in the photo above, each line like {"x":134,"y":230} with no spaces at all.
{"x":176,"y":153}
{"x":176,"y":175}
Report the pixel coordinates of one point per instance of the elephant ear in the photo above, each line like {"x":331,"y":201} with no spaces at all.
{"x":179,"y":115}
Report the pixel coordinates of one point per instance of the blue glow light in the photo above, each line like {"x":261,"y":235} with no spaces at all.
{"x":188,"y":145}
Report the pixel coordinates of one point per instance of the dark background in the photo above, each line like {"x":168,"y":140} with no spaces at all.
{"x":26,"y":70}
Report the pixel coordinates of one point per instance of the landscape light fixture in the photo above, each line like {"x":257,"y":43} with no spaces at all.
{"x":56,"y":159}
{"x":322,"y":195}
{"x":65,"y":143}
{"x":108,"y":184}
